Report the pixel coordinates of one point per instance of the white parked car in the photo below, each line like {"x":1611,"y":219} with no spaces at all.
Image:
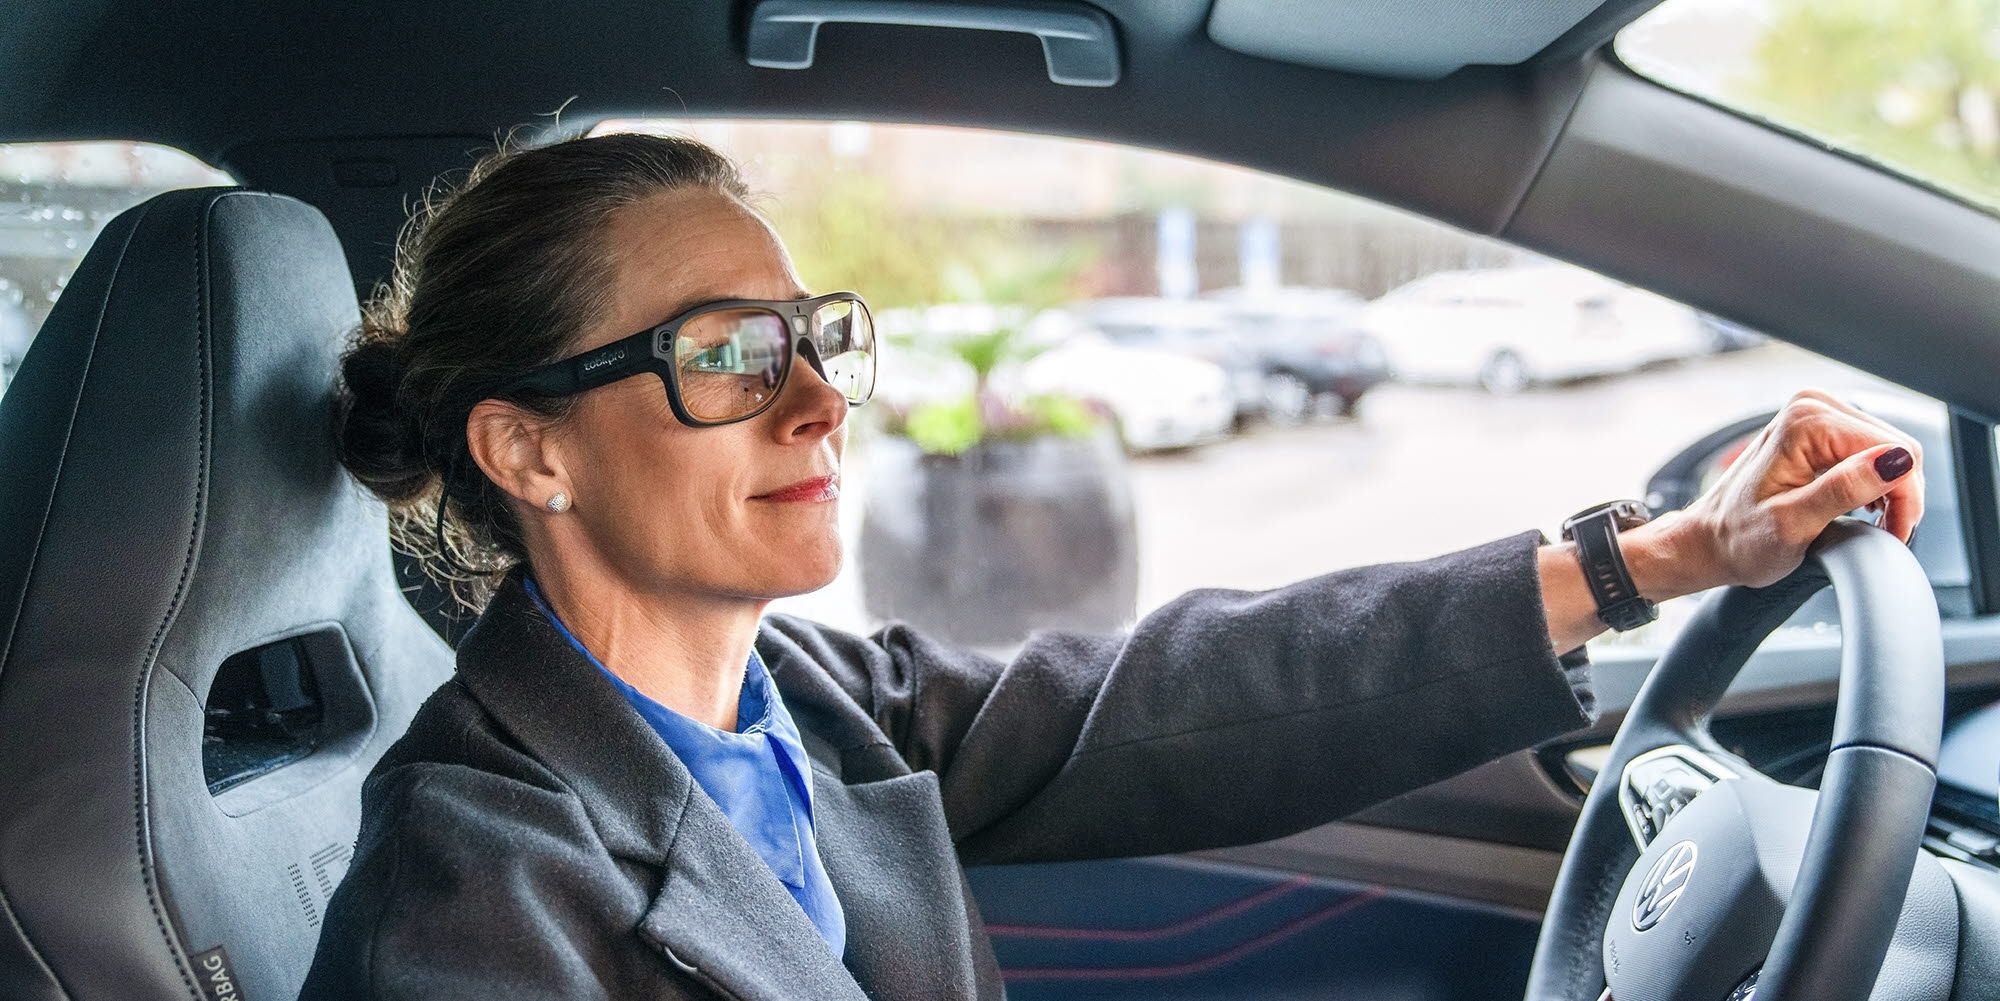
{"x":1510,"y":328}
{"x":1160,"y":400}
{"x":1201,"y":329}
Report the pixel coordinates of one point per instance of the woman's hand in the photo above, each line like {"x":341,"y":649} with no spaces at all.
{"x":1818,"y":459}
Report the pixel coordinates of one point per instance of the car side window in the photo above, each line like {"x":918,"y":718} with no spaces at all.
{"x":54,"y":198}
{"x":1066,"y":434}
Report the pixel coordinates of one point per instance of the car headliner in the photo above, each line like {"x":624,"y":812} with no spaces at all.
{"x":356,"y":107}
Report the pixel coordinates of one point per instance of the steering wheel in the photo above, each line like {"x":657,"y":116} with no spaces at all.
{"x":1692,"y":877}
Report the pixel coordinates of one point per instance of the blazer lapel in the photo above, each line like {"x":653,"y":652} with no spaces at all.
{"x":893,"y":866}
{"x":719,"y":914}
{"x":722,"y":913}
{"x":883,"y":840}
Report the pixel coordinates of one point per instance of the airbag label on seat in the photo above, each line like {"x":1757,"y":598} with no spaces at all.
{"x":218,"y":981}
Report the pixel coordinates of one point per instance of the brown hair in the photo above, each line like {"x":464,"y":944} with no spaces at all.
{"x":490,"y":279}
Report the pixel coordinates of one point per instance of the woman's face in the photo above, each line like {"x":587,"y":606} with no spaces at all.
{"x":670,"y":508}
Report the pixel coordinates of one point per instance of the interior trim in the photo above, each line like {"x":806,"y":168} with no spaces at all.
{"x":1972,"y":446}
{"x":1728,"y":215}
{"x":1460,"y":868}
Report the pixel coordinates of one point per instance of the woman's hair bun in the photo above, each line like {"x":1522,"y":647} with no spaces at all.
{"x":490,"y":278}
{"x":380,"y":440}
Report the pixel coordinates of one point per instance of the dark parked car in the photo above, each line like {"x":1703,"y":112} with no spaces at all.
{"x":1187,"y":327}
{"x":1315,"y":354}
{"x":1287,"y":352}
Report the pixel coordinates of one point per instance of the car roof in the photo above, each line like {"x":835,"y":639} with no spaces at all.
{"x":357,"y":107}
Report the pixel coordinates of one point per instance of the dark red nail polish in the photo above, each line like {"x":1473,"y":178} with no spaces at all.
{"x":1894,"y":463}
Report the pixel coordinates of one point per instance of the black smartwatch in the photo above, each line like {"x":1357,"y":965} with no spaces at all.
{"x":1595,"y":532}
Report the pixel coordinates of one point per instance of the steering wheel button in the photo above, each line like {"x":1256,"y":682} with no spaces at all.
{"x":1973,"y":842}
{"x":1643,"y":824}
{"x":1659,"y":784}
{"x":1747,"y":990}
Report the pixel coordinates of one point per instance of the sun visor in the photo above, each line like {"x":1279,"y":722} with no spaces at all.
{"x":1412,"y":39}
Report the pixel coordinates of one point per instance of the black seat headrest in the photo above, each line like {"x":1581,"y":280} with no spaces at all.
{"x":202,"y":645}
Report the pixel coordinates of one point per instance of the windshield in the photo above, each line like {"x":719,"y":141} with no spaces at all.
{"x":1913,"y":85}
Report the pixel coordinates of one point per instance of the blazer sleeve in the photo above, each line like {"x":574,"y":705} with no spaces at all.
{"x":1223,"y":717}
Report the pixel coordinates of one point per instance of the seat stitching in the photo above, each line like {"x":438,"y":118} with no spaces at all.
{"x":69,"y":433}
{"x":34,"y":556}
{"x":149,"y":871}
{"x":34,"y":954}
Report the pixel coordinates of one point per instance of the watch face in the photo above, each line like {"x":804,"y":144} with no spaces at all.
{"x":1631,"y":514}
{"x":1626,"y":513}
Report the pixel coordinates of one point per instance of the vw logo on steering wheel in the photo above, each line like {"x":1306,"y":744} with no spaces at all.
{"x":1664,"y":885}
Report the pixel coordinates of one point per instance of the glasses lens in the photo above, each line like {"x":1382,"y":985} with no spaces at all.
{"x":844,"y":335}
{"x":730,"y":362}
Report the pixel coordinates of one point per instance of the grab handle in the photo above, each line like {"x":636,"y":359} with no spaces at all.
{"x":1077,"y":39}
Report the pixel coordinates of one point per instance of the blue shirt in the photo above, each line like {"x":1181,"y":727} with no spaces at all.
{"x":758,"y":774}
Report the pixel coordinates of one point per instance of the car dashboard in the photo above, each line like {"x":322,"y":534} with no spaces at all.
{"x":1791,"y":746}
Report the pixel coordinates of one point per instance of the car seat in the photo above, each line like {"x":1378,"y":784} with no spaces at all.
{"x":203,"y":649}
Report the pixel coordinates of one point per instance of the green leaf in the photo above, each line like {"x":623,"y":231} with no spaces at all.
{"x":1064,"y":416}
{"x":945,"y":428}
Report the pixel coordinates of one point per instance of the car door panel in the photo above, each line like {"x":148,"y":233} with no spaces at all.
{"x":1437,"y":893}
{"x":1188,"y":928}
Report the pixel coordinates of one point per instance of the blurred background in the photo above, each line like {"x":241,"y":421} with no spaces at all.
{"x":1111,"y":375}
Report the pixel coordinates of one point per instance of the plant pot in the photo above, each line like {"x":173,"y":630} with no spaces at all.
{"x":980,"y":548}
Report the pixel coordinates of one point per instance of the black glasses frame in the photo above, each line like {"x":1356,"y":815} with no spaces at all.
{"x":652,"y":350}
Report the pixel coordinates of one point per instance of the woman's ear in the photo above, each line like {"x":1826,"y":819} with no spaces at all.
{"x":516,"y":451}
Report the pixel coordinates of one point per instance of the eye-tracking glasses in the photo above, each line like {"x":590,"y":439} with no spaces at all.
{"x":725,"y":361}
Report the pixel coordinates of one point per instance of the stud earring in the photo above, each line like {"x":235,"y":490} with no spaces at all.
{"x":559,"y":502}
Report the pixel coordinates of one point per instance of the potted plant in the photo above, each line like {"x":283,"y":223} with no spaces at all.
{"x":994,"y":513}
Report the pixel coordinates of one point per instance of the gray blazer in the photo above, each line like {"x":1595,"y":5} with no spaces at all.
{"x":530,"y":837}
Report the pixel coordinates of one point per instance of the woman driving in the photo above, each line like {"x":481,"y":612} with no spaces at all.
{"x":596,"y":393}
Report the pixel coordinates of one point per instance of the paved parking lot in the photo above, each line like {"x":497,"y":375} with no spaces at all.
{"x":1421,"y":471}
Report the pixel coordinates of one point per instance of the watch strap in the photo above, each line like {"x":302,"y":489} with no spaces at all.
{"x":1618,"y":601}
